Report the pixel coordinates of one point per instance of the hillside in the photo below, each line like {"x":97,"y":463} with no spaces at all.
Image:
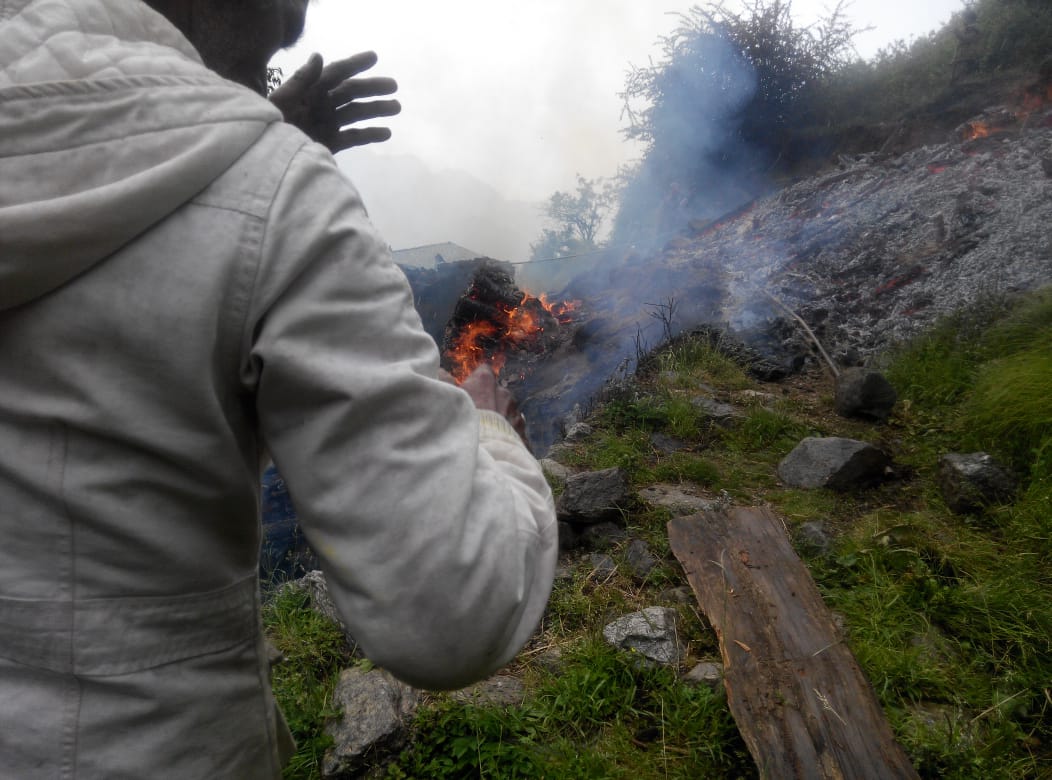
{"x":948,"y":615}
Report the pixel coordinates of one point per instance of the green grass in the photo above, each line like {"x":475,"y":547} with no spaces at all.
{"x":314,"y":651}
{"x":602,"y":715}
{"x":1010,"y":407}
{"x":949,"y":617}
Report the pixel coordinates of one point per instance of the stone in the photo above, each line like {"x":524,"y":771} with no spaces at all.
{"x":377,"y":711}
{"x":666,"y":444}
{"x":721,"y":414}
{"x":677,"y":499}
{"x":863,"y":392}
{"x":600,"y":536}
{"x":603,"y":566}
{"x":812,"y":537}
{"x":555,"y":471}
{"x":757,"y":397}
{"x":563,"y":572}
{"x":639,"y":560}
{"x":558,"y":450}
{"x":594,"y":496}
{"x":550,"y":660}
{"x":833,"y":462}
{"x":578,"y":432}
{"x":682,"y":594}
{"x":568,"y":537}
{"x":500,"y":690}
{"x":651,"y":633}
{"x":706,"y":673}
{"x":970,"y":482}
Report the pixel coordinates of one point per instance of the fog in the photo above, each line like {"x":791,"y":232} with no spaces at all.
{"x":505,"y":103}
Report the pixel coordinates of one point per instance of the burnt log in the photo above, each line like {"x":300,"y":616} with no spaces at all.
{"x":801,"y":702}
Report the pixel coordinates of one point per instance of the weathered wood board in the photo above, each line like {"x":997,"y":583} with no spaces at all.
{"x":796,"y":692}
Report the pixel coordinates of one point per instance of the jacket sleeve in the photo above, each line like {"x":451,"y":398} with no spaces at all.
{"x":434,"y":524}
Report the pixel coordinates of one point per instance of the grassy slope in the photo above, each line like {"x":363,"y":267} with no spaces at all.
{"x":950,"y":618}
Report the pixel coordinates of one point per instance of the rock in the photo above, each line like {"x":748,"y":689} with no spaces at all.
{"x":601,"y":536}
{"x":651,"y":633}
{"x":756,"y":397}
{"x":555,"y":471}
{"x":812,"y":537}
{"x":578,"y":432}
{"x":313,"y":584}
{"x":594,"y":496}
{"x":563,"y":572}
{"x":558,"y":450}
{"x":723,"y":415}
{"x":849,"y":356}
{"x":833,"y":462}
{"x":666,"y":444}
{"x":568,"y":537}
{"x":839,"y":622}
{"x":706,"y":673}
{"x":639,"y":559}
{"x":550,"y":660}
{"x":501,"y":690}
{"x":678,"y":595}
{"x":603,"y":566}
{"x":376,"y":713}
{"x":972,"y":481}
{"x":863,"y":392}
{"x":676,"y":499}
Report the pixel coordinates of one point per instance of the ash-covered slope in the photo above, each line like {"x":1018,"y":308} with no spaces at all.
{"x":868,"y":254}
{"x":876,"y":251}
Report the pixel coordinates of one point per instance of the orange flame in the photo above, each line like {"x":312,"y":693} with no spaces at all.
{"x":513,"y":327}
{"x":1035,"y":101}
{"x":975,"y":130}
{"x":1032,"y":100}
{"x":562,"y":310}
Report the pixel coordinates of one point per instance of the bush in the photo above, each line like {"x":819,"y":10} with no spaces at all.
{"x":716,"y":111}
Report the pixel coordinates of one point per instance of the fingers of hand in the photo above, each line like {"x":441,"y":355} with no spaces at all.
{"x":340,"y":70}
{"x":309,"y":72}
{"x":360,"y":112}
{"x":347,"y":139}
{"x":481,"y":385}
{"x":355,"y":89}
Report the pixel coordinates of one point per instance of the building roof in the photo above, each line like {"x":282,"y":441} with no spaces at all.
{"x":430,"y":255}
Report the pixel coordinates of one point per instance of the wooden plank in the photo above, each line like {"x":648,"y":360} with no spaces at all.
{"x":796,"y":692}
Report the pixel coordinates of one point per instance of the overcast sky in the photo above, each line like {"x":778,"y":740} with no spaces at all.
{"x":523,"y":95}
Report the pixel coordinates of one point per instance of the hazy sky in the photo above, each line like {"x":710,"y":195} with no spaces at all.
{"x":523,"y":95}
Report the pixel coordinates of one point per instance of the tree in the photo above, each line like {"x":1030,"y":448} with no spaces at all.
{"x":717,"y":113}
{"x":274,"y":79}
{"x":578,"y":219}
{"x":751,"y":75}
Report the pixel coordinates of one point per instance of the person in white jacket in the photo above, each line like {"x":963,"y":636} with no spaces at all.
{"x":186,"y":281}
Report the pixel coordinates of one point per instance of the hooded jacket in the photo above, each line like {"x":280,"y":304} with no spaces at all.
{"x":185,"y":282}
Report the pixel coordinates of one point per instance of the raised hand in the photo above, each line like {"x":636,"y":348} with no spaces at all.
{"x":323,"y":100}
{"x":487,"y":393}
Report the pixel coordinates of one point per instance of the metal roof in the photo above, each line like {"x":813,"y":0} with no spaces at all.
{"x":431,"y":255}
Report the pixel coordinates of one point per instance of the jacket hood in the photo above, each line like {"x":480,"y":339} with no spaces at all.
{"x":109,"y":122}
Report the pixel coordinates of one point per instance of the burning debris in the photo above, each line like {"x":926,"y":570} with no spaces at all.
{"x":1030,"y":108}
{"x":497,"y":323}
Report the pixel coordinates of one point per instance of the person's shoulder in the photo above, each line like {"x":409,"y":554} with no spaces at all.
{"x":250,"y":183}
